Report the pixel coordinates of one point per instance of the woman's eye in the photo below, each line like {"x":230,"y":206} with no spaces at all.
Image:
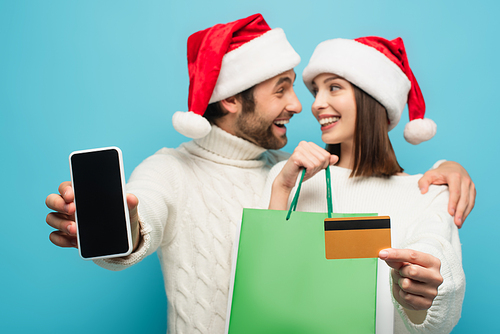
{"x":334,"y":88}
{"x":314,"y":91}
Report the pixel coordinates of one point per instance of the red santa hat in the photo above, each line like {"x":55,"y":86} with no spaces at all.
{"x":380,"y":68}
{"x":227,"y":59}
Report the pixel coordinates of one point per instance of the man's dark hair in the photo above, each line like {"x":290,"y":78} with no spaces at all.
{"x":215,"y":110}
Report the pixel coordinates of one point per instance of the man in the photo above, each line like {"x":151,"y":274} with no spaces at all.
{"x":185,"y":203}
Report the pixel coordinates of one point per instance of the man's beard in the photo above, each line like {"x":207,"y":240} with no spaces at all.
{"x":258,"y":131}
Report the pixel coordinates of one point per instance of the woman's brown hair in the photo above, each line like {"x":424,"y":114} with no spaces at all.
{"x":373,"y":152}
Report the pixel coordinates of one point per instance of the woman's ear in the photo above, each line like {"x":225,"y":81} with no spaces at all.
{"x":231,"y":104}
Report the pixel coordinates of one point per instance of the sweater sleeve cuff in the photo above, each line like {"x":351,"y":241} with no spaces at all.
{"x":437,"y":164}
{"x":137,"y":256}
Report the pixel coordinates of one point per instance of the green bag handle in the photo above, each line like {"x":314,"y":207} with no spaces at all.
{"x":293,"y":206}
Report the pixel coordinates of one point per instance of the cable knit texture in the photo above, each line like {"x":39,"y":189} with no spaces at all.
{"x":190,"y":202}
{"x":419,"y":222}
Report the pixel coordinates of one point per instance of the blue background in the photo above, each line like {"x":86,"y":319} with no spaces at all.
{"x":85,"y":74}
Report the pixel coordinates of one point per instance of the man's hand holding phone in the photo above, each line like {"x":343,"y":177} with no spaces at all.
{"x":92,"y":212}
{"x":63,"y":219}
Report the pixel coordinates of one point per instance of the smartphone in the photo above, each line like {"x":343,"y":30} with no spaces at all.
{"x":102,"y":218}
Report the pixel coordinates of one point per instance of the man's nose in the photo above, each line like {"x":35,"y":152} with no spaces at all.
{"x":294,"y":105}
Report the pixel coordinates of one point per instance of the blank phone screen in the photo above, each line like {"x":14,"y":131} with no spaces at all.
{"x":100,"y":213}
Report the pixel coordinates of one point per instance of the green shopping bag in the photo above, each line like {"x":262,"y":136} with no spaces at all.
{"x":283,"y":282}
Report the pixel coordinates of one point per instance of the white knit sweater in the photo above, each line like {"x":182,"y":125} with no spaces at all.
{"x":190,"y":202}
{"x":419,"y":222}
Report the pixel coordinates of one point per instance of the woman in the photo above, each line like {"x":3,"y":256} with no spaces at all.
{"x":361,"y":88}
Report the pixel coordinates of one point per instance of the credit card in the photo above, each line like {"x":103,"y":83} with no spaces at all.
{"x":357,"y":237}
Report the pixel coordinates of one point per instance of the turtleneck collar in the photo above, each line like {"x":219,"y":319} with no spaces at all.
{"x":224,"y":147}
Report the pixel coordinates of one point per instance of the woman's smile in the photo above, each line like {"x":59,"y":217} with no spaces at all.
{"x":328,"y":121}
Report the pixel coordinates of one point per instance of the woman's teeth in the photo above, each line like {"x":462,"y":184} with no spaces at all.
{"x":282,"y":122}
{"x":328,"y":121}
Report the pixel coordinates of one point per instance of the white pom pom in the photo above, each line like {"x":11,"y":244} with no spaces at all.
{"x":419,"y":130}
{"x":190,"y":124}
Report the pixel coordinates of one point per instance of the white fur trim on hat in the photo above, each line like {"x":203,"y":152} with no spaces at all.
{"x":366,"y":68}
{"x":190,"y":124}
{"x":254,"y":62}
{"x":419,"y":130}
